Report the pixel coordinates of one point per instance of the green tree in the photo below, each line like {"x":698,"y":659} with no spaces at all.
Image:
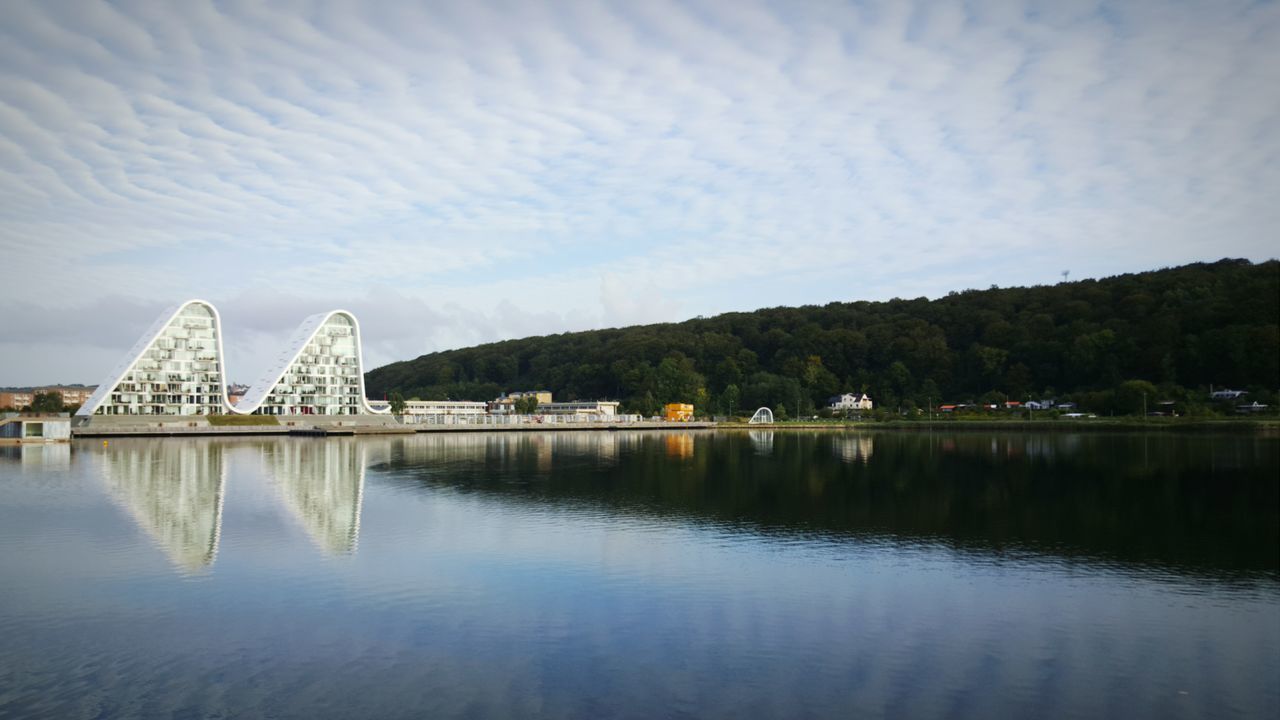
{"x":397,"y":403}
{"x":47,"y":402}
{"x":731,"y":397}
{"x":1133,"y":395}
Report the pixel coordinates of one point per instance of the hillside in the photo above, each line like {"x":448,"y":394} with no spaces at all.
{"x":1181,"y":329}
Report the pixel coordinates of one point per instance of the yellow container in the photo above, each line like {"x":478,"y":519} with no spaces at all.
{"x":677,"y":412}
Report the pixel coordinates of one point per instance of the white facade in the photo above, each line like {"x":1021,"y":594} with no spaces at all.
{"x":604,"y":408}
{"x":849,"y":401}
{"x":175,"y":368}
{"x":445,"y":407}
{"x":320,"y":373}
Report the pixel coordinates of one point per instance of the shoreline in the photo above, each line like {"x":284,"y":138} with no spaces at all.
{"x":1264,"y":428}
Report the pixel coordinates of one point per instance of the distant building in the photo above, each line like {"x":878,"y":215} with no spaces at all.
{"x":505,"y":405}
{"x":1227,"y":394}
{"x":70,"y":395}
{"x":16,"y":400}
{"x":414,"y":409}
{"x":604,"y":408}
{"x":677,"y":412}
{"x":1040,"y":404}
{"x":849,"y":401}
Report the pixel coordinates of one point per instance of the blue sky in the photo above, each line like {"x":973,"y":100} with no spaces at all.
{"x":456,"y":173}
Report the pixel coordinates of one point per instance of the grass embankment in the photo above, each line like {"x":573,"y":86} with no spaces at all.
{"x":239,"y":420}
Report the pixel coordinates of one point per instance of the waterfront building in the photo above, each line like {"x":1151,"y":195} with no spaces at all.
{"x":175,"y":368}
{"x":602,"y":408}
{"x":678,"y":412}
{"x":35,"y":427}
{"x":320,"y":372}
{"x":415,"y":409}
{"x":505,"y":405}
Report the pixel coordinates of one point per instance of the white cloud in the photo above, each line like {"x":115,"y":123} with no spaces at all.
{"x":464,"y":172}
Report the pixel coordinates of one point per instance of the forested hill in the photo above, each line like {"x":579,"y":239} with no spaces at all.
{"x":1180,"y":329}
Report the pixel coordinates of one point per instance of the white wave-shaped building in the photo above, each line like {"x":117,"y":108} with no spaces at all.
{"x":176,"y":369}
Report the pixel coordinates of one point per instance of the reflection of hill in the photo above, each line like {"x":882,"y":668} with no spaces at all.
{"x":322,"y":483}
{"x":173,"y":489}
{"x":1203,"y":504}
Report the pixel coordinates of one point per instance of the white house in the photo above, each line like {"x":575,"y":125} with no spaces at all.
{"x":849,"y":401}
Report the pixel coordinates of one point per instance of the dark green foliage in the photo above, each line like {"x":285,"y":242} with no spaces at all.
{"x":1186,"y":327}
{"x":47,"y":402}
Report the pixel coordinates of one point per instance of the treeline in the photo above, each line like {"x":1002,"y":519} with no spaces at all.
{"x":1179,"y":329}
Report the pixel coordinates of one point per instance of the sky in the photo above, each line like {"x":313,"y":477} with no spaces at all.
{"x":461,"y":172}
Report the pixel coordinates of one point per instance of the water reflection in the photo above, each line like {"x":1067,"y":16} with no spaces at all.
{"x":1191,"y":504}
{"x":762,"y":440}
{"x":322,"y":484}
{"x":853,"y":448}
{"x":44,"y":456}
{"x":173,"y":490}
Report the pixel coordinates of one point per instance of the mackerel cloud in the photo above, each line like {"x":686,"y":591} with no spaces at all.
{"x":463,"y":172}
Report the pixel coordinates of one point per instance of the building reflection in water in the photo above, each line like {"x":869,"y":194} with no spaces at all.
{"x":853,"y":448}
{"x":679,"y":445}
{"x":173,"y":489}
{"x":762,"y":440}
{"x":503,"y":449}
{"x":44,"y":456}
{"x":322,"y":484}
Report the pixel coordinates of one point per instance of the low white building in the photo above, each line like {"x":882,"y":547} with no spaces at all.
{"x":29,"y":428}
{"x":603,"y":408}
{"x":849,"y":401}
{"x":419,"y":410}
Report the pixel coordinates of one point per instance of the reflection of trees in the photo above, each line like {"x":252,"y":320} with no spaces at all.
{"x":173,"y":489}
{"x":1210,"y":503}
{"x":322,"y":483}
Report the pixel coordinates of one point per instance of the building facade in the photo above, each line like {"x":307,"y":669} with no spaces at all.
{"x":319,"y":373}
{"x":602,"y":408}
{"x":175,"y":368}
{"x":417,"y":410}
{"x":16,"y":400}
{"x":849,"y":401}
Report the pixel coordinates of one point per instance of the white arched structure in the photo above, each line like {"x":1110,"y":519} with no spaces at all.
{"x":320,"y":372}
{"x":175,"y":368}
{"x":763,"y":416}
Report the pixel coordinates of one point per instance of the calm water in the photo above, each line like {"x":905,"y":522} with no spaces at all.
{"x":643,"y":575}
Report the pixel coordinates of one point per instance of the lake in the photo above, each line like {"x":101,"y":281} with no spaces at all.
{"x":693,"y":574}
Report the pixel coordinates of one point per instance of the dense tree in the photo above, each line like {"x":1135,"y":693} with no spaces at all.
{"x":47,"y":402}
{"x":1178,"y":329}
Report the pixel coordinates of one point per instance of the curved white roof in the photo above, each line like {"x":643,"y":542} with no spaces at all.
{"x":261,"y":389}
{"x":152,"y":334}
